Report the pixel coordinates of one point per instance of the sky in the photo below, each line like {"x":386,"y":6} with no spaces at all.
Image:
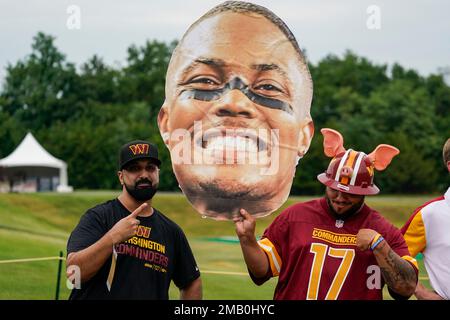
{"x":415,"y":34}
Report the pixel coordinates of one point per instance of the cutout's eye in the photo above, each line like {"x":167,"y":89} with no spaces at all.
{"x":206,"y":83}
{"x":268,"y":87}
{"x":204,"y":80}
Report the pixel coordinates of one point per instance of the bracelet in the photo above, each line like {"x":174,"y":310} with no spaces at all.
{"x":375,"y":239}
{"x":378,"y":238}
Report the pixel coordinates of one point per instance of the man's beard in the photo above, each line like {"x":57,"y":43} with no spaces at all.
{"x":347,"y":214}
{"x":142,"y":194}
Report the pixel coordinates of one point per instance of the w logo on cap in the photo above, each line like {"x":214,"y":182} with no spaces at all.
{"x":140,"y":148}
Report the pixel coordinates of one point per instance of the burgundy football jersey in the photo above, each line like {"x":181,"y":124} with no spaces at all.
{"x":315,"y":255}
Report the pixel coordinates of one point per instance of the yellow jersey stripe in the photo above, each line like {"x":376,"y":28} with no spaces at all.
{"x":271,"y":252}
{"x":415,"y":235}
{"x":411,"y":260}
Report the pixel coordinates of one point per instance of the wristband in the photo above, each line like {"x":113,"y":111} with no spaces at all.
{"x":376,"y":241}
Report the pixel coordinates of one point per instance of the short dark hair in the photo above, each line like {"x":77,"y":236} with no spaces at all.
{"x":446,"y":152}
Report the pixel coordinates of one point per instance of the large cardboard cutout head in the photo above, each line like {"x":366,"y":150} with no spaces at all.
{"x":236,"y":118}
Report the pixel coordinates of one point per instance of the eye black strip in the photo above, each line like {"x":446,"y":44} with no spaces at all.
{"x":236,"y":84}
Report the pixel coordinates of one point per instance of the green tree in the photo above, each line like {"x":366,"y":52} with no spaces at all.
{"x":143,"y":79}
{"x":333,"y":73}
{"x":410,"y":171}
{"x":39,"y":89}
{"x":99,"y":82}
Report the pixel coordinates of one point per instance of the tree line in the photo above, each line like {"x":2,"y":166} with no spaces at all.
{"x":83,"y":114}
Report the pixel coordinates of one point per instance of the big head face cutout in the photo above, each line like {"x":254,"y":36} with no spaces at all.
{"x":236,"y":118}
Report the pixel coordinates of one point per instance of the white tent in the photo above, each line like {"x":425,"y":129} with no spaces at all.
{"x":30,"y":159}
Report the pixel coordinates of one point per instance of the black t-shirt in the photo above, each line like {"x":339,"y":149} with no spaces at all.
{"x":145,"y":264}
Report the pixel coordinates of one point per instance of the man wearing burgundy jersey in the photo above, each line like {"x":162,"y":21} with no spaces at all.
{"x":335,"y":247}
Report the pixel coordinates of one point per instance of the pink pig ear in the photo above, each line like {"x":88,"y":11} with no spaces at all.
{"x":382,"y":156}
{"x":333,"y":142}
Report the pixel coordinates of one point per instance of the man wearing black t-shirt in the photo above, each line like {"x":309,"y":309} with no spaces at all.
{"x":126,"y":249}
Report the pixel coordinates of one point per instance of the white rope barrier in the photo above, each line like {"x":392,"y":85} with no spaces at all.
{"x":202,"y":271}
{"x":31,"y":260}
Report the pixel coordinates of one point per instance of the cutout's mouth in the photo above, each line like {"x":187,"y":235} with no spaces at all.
{"x":231,"y":139}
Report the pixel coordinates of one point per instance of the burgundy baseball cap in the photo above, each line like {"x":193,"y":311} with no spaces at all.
{"x":138,"y":149}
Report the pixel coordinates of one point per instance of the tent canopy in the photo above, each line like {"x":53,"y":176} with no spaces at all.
{"x":31,"y":154}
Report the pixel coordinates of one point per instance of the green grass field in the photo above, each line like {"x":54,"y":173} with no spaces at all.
{"x":38,"y":225}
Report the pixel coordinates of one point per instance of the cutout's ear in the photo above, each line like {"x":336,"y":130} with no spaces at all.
{"x":305,"y":141}
{"x":382,"y":156}
{"x":333,"y":142}
{"x":163,"y":120}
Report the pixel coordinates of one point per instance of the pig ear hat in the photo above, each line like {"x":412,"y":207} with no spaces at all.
{"x":352,"y":171}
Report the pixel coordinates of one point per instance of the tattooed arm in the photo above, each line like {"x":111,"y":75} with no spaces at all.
{"x":398,"y":274}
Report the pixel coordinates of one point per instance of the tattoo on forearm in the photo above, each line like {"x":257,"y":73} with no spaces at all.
{"x":398,"y":275}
